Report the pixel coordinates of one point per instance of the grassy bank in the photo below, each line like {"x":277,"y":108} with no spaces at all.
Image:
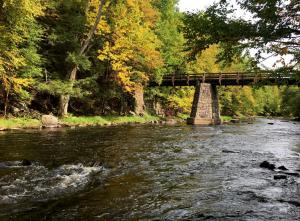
{"x":18,"y":123}
{"x":14,"y":123}
{"x":106,"y":120}
{"x":226,"y":118}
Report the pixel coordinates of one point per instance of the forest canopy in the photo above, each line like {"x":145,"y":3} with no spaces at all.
{"x":89,"y":57}
{"x":271,"y":27}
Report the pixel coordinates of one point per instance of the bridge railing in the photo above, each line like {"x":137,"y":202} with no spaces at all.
{"x":238,"y":77}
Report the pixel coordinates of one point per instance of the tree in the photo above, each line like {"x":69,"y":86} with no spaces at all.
{"x":268,"y":101}
{"x":167,"y":30}
{"x":20,"y":62}
{"x":79,"y":53}
{"x":273,"y":27}
{"x":291,"y":102}
{"x":131,"y":46}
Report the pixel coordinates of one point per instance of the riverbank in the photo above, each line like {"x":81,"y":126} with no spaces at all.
{"x":82,"y":121}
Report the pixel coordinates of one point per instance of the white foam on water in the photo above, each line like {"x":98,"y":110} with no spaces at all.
{"x":40,"y":183}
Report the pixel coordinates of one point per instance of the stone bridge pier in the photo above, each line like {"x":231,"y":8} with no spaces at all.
{"x":205,"y":109}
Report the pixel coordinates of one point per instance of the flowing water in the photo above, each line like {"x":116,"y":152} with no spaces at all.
{"x":151,"y":172}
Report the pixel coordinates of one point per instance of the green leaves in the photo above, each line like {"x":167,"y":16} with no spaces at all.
{"x":20,"y":35}
{"x":269,"y":27}
{"x":57,"y":88}
{"x":291,"y":101}
{"x":81,"y":61}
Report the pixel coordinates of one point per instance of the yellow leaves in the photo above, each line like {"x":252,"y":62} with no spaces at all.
{"x":34,"y":7}
{"x":132,"y":48}
{"x":124,"y":79}
{"x":131,"y":3}
{"x":206,"y":62}
{"x":151,"y":15}
{"x":15,"y":83}
{"x":102,"y":27}
{"x":25,"y":9}
{"x":21,"y":82}
{"x":182,"y":100}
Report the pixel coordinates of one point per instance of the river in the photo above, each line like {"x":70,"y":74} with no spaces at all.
{"x":151,"y":172}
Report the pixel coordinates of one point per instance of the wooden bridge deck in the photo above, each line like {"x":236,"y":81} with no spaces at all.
{"x":245,"y":78}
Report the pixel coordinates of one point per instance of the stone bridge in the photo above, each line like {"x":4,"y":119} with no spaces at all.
{"x":205,"y":109}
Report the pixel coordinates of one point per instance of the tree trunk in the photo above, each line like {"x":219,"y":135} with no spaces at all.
{"x":64,"y":99}
{"x":63,"y":105}
{"x":5,"y":105}
{"x":6,"y":102}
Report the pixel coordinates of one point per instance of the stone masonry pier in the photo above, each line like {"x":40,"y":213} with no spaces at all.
{"x":205,"y":109}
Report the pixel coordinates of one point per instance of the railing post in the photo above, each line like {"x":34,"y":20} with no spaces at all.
{"x":242,"y":80}
{"x":255,"y":79}
{"x":220,"y":79}
{"x":238,"y":78}
{"x":173,"y":80}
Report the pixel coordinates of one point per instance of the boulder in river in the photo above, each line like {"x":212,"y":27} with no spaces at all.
{"x":49,"y":121}
{"x":280,"y":177}
{"x":271,"y":123}
{"x":95,"y":164}
{"x":292,"y":174}
{"x":25,"y":162}
{"x":228,"y":151}
{"x":171,"y":121}
{"x":267,"y":165}
{"x":282,"y":168}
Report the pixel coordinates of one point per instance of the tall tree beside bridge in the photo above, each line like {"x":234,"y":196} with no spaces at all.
{"x":271,"y":27}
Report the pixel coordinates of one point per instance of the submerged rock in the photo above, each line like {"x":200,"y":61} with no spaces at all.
{"x":267,"y":165}
{"x":282,"y":168}
{"x":295,"y":203}
{"x":280,"y":177}
{"x":235,"y":121}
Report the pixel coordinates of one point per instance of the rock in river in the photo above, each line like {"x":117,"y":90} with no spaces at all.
{"x":267,"y":165}
{"x":280,"y":177}
{"x":235,"y":121}
{"x":228,"y":151}
{"x":25,"y":162}
{"x":49,"y":121}
{"x":282,"y":168}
